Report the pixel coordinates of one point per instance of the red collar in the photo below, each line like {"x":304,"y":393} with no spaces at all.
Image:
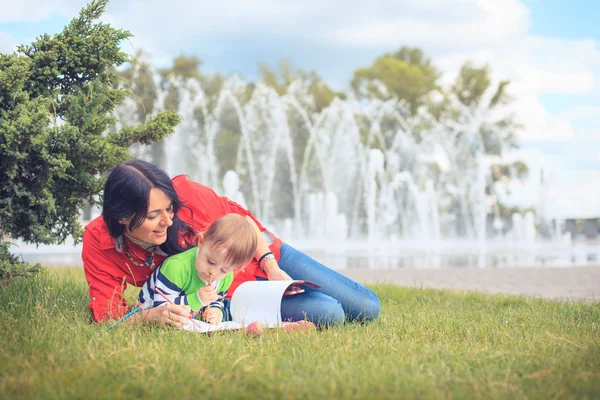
{"x":98,"y":229}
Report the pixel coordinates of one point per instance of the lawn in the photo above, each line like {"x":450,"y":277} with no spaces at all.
{"x":426,"y":344}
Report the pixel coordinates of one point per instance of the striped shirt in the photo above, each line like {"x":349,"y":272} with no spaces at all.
{"x":178,"y":279}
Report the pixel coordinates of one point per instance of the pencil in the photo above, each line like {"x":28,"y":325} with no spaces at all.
{"x":138,"y":308}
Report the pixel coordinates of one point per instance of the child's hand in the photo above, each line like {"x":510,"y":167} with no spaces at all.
{"x":213,"y":316}
{"x":207,"y":294}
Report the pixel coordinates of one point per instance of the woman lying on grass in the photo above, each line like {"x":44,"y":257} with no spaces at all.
{"x":146,"y":217}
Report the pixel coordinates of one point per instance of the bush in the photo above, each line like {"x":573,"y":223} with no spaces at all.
{"x":11,"y":266}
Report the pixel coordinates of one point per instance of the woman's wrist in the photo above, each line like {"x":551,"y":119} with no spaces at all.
{"x":267,"y":258}
{"x":270,"y":266}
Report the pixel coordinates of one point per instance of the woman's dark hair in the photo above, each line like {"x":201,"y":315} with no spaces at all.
{"x":127,"y":193}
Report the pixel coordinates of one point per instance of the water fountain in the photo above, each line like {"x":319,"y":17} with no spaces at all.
{"x":389,"y":191}
{"x":358,"y":177}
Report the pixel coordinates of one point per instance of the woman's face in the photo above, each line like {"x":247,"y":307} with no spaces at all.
{"x":160,"y":216}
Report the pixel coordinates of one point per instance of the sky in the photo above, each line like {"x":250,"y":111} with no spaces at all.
{"x":548,"y":49}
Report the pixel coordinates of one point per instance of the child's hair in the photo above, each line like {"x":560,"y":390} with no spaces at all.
{"x":234,"y":233}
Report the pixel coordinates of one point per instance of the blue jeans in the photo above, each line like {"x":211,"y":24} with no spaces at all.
{"x":338,"y":299}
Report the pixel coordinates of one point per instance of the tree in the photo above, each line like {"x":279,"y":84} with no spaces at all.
{"x":139,"y":80}
{"x":188,"y":67}
{"x":57,"y":97}
{"x":471,"y":89}
{"x":475,"y":95}
{"x":184,"y":66}
{"x":286,"y":73}
{"x":406,"y":74}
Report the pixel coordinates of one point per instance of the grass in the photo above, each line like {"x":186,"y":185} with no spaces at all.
{"x":426,"y":344}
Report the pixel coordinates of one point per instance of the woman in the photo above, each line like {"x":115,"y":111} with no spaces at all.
{"x":146,"y":217}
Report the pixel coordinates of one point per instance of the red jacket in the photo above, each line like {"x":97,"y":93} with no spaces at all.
{"x":108,"y":271}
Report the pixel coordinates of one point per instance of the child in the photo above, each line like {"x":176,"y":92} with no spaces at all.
{"x":199,"y":277}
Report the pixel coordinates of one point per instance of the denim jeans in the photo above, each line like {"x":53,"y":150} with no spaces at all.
{"x":339,"y":298}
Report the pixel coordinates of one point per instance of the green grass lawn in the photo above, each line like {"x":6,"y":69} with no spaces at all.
{"x":426,"y":344}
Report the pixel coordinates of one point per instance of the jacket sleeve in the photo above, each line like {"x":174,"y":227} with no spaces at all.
{"x":106,"y":290}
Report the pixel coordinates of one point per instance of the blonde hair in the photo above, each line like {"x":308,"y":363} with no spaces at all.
{"x":236,"y":235}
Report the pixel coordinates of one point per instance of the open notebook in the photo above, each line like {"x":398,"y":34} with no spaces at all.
{"x":252,"y":301}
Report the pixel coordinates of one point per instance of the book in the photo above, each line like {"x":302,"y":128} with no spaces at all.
{"x":252,"y":301}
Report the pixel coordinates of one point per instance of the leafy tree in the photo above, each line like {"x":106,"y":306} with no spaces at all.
{"x":188,"y":67}
{"x":406,"y":74}
{"x":140,"y":82}
{"x":57,"y":97}
{"x":184,"y":66}
{"x":498,"y":127}
{"x":473,"y":89}
{"x":286,"y":73}
{"x":472,"y":83}
{"x":138,"y":78}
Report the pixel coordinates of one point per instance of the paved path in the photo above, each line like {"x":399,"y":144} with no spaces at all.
{"x":554,"y":283}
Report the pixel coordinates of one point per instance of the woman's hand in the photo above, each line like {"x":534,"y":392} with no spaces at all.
{"x":274,"y":273}
{"x":207,"y":294}
{"x":213,"y":316}
{"x":168,"y":314}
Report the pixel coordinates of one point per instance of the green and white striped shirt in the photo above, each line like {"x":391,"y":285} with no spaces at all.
{"x":178,"y":280}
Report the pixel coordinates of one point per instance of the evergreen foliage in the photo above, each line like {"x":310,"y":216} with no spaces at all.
{"x":57,"y":102}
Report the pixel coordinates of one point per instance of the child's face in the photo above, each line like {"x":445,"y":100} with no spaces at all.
{"x":210,"y":263}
